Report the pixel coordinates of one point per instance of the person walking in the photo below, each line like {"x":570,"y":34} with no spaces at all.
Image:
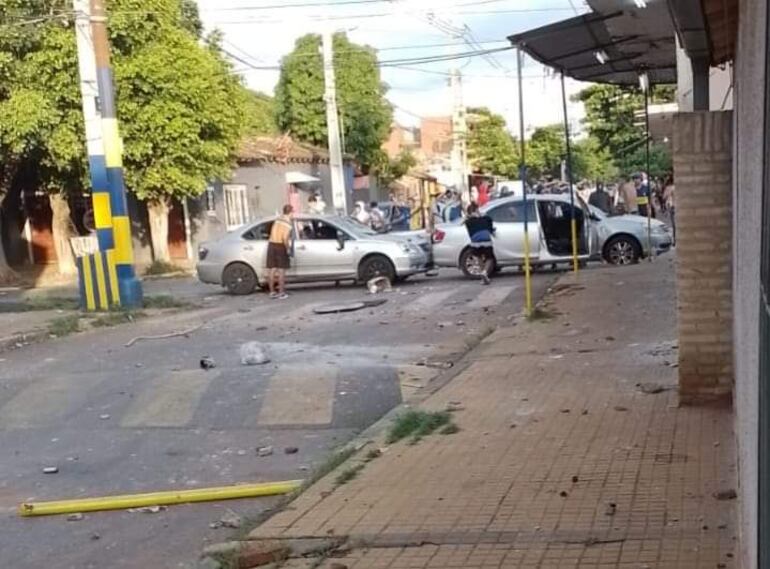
{"x":600,"y":199}
{"x":376,"y":218}
{"x":278,"y":250}
{"x":480,"y":229}
{"x":669,"y":200}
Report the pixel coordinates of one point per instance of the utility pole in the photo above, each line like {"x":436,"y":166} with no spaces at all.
{"x":104,"y":146}
{"x":459,"y":157}
{"x":339,"y":193}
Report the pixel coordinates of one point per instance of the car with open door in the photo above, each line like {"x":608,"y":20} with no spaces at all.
{"x":617,"y":240}
{"x":325,"y":248}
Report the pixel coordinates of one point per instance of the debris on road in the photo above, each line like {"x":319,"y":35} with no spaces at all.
{"x":104,"y":416}
{"x":437,"y":365}
{"x":290,"y":450}
{"x":185,"y":333}
{"x":378,"y":285}
{"x":336,"y":308}
{"x":252,"y":353}
{"x":77,"y":517}
{"x":51,"y":470}
{"x":264,"y":451}
{"x":231,"y":520}
{"x":148,"y":510}
{"x":611,"y":509}
{"x":652,"y":388}
{"x":620,"y":408}
{"x":207,"y":362}
{"x":453,"y":406}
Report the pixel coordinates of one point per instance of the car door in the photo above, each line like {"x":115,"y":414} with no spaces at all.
{"x":508,"y":219}
{"x":319,"y":254}
{"x":253,"y":247}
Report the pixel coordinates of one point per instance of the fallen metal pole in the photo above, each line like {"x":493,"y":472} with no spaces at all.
{"x":170,"y":497}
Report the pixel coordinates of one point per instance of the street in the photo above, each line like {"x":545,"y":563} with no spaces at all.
{"x":118,"y":420}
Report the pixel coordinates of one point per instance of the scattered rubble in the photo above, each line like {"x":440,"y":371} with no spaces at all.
{"x":728,"y":494}
{"x":290,"y":450}
{"x":253,"y":353}
{"x":148,"y":510}
{"x":231,"y":520}
{"x":208,"y":362}
{"x":264,"y":451}
{"x":77,"y":517}
{"x":51,"y":470}
{"x":378,"y":285}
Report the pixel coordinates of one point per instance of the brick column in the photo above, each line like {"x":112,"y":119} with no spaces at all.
{"x":702,"y":145}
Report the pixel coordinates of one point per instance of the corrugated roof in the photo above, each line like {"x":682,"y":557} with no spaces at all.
{"x":282,"y":149}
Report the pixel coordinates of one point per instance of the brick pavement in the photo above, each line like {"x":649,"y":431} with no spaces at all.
{"x":554,"y":429}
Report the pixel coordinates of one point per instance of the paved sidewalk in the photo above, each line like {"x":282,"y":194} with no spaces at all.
{"x":555,"y":428}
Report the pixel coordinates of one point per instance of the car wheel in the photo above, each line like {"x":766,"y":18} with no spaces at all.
{"x":376,"y":266}
{"x":471,"y":264}
{"x":239,"y":279}
{"x":622,"y":250}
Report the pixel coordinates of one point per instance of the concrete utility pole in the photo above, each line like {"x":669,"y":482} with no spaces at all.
{"x":459,"y":157}
{"x":104,"y":146}
{"x":339,"y":193}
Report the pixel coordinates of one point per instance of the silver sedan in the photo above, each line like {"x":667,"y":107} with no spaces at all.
{"x":619,"y":240}
{"x":326,"y":248}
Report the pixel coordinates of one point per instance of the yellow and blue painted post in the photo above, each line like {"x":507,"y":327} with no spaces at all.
{"x":570,"y":179}
{"x":113,"y":225}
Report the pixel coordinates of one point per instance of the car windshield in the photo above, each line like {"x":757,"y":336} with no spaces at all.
{"x":354,"y":226}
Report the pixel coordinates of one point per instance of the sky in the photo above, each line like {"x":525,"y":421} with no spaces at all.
{"x":260,"y":32}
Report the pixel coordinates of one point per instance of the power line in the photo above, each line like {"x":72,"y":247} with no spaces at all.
{"x":361,"y":2}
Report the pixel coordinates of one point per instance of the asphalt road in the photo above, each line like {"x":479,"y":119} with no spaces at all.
{"x":116,"y":419}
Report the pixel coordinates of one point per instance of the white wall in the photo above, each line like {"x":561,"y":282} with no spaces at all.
{"x":747,"y":200}
{"x":720,"y":80}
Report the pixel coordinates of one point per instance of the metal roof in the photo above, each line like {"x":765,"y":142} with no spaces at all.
{"x":629,"y":41}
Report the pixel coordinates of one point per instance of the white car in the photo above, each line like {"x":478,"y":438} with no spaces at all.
{"x":619,"y":240}
{"x":326,"y":248}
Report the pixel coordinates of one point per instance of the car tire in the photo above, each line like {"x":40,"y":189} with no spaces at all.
{"x":622,"y":250}
{"x":468,"y":259}
{"x":239,"y":279}
{"x":376,"y":266}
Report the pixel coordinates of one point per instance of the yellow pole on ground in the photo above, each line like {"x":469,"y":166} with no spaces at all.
{"x":523,"y":174}
{"x":125,"y":501}
{"x":571,"y":181}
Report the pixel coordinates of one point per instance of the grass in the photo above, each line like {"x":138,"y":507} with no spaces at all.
{"x":417,"y":424}
{"x":35,"y":304}
{"x":539,"y":315}
{"x":348,"y":474}
{"x":161,"y":268}
{"x":64,"y":325}
{"x":116,"y":318}
{"x":164,"y":301}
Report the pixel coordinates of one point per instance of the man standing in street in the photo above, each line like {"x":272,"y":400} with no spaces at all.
{"x":642,"y":194}
{"x":600,"y":199}
{"x":628,"y":196}
{"x":278,"y":248}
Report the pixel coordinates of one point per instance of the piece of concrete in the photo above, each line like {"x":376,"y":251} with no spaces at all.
{"x":259,"y":553}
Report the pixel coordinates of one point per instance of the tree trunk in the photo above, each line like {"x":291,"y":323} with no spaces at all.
{"x":157,"y":211}
{"x":7,"y":274}
{"x":62,"y":229}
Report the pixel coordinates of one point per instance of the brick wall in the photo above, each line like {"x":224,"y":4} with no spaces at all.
{"x":703,"y":176}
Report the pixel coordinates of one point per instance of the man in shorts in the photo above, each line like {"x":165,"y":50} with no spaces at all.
{"x":278,"y":248}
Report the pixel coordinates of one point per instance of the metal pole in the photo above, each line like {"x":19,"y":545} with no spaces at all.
{"x":570,"y":180}
{"x":649,"y":180}
{"x":129,"y":287}
{"x":339,"y":194}
{"x":523,"y":174}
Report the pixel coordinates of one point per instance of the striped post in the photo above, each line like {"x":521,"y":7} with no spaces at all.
{"x":112,"y":203}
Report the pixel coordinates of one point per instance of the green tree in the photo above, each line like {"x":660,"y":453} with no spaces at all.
{"x":613,"y":116}
{"x":259,"y":115}
{"x":660,"y":160}
{"x":365,"y":114}
{"x":545,"y":151}
{"x":590,"y":162}
{"x":391,"y":169}
{"x":180,"y":108}
{"x":491,"y":148}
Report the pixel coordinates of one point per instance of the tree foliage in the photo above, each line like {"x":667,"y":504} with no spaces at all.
{"x":491,"y":148}
{"x":365,"y":114}
{"x":545,"y":151}
{"x":259,"y":115}
{"x":179,"y":106}
{"x":391,"y":169}
{"x":611,"y":117}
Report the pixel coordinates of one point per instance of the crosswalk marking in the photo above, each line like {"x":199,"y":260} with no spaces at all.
{"x":300,"y":395}
{"x":432,"y":299}
{"x":169,"y":401}
{"x":47,"y":401}
{"x":491,"y":296}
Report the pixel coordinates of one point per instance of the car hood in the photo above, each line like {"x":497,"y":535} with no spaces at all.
{"x":631,"y":220}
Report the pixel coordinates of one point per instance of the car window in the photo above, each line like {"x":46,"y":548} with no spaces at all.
{"x":512,"y":212}
{"x":316,"y":229}
{"x":259,"y":232}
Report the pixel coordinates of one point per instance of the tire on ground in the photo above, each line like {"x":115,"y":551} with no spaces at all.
{"x":239,"y":279}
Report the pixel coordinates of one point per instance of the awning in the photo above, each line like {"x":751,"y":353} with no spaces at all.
{"x":607,"y":46}
{"x":300,"y":178}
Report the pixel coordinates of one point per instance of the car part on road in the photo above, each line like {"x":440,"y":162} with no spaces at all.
{"x":239,"y":279}
{"x":376,"y":266}
{"x":155,"y":499}
{"x":208,"y":362}
{"x":378,"y":285}
{"x":622,"y":250}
